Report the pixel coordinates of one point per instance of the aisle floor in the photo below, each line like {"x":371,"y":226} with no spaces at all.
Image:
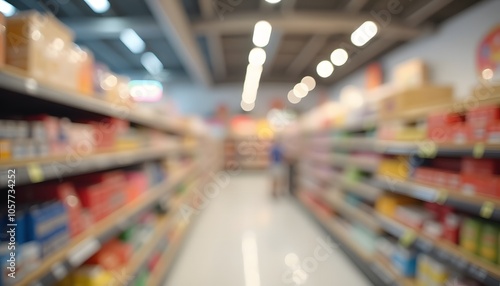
{"x":245,"y":237}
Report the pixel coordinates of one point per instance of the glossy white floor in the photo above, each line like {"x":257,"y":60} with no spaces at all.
{"x":244,"y":237}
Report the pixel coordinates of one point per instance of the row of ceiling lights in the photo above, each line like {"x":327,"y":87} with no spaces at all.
{"x":362,"y":35}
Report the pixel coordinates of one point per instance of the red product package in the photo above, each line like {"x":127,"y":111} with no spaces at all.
{"x":423,"y":175}
{"x":460,"y":134}
{"x":480,"y":166}
{"x":447,"y":164}
{"x":451,"y":227}
{"x":476,"y":133}
{"x":440,"y":126}
{"x":137,"y":183}
{"x":483,"y":115}
{"x":493,"y":133}
{"x":484,"y":185}
{"x":112,"y":255}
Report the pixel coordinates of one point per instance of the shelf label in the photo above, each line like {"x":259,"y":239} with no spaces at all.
{"x":441,"y":197}
{"x":478,"y":151}
{"x":408,"y":238}
{"x":59,"y":271}
{"x":35,"y":173}
{"x":487,"y":210}
{"x":477,"y":273}
{"x":428,"y":150}
{"x":83,"y":251}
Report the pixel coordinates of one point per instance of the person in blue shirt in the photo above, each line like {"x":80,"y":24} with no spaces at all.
{"x":277,"y":169}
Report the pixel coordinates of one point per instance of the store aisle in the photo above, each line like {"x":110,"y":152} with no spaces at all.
{"x":245,"y":238}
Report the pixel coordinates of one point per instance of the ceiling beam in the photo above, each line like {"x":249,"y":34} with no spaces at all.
{"x":265,"y":6}
{"x":214,"y":41}
{"x":175,"y":26}
{"x":288,"y":6}
{"x":422,"y":14}
{"x":111,"y":27}
{"x":307,"y":55}
{"x":302,"y":23}
{"x":207,"y":8}
{"x":355,"y":5}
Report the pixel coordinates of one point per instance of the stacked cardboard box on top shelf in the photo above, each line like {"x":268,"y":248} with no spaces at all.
{"x":40,"y":47}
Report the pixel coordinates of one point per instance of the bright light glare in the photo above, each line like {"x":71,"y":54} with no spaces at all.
{"x":250,"y":259}
{"x":273,"y":1}
{"x":146,"y":90}
{"x":7,"y":9}
{"x":133,"y":42}
{"x":300,"y":90}
{"x":262,"y":33}
{"x":247,"y":106}
{"x":292,"y":98}
{"x":364,"y":33}
{"x":151,"y":63}
{"x":351,"y":96}
{"x":257,"y":56}
{"x":487,"y":74}
{"x":251,"y":84}
{"x":310,"y":82}
{"x":339,"y":57}
{"x":324,"y":69}
{"x":98,"y":6}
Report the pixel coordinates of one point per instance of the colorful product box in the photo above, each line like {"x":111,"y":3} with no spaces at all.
{"x":493,"y":133}
{"x":480,"y":166}
{"x":405,"y":261}
{"x":482,"y":185}
{"x":489,"y":243}
{"x":112,"y":256}
{"x":470,"y":235}
{"x":483,"y":115}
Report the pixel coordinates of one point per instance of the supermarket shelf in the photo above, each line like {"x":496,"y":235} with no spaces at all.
{"x":387,"y":266}
{"x":35,"y":171}
{"x":29,"y":87}
{"x":423,"y":148}
{"x":350,"y":212}
{"x":342,"y":161}
{"x":362,"y":189}
{"x":87,"y":243}
{"x":474,"y":204}
{"x":448,"y":253}
{"x":362,"y":259}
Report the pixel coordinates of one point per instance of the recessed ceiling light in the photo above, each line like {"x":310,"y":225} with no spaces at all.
{"x":257,"y":56}
{"x":133,"y":42}
{"x":324,"y":69}
{"x":7,"y":9}
{"x":247,"y":106}
{"x":310,"y":82}
{"x":98,"y":6}
{"x":339,"y":57}
{"x":292,"y":98}
{"x":151,"y":63}
{"x":262,"y":33}
{"x":364,"y":33}
{"x":300,"y":90}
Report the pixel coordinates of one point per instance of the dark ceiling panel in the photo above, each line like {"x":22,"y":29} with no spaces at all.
{"x":237,"y":43}
{"x":130,"y":7}
{"x":293,"y":44}
{"x":192,"y":9}
{"x":316,"y":5}
{"x":103,"y":53}
{"x":164,"y":51}
{"x":133,"y":61}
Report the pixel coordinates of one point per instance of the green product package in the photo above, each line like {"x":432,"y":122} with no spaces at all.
{"x":128,"y":234}
{"x":470,"y":235}
{"x":489,"y":243}
{"x":142,"y":278}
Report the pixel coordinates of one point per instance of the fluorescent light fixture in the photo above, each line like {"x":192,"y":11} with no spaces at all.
{"x":257,"y":56}
{"x":339,"y":57}
{"x":273,"y":1}
{"x":247,"y":106}
{"x":262,"y":33}
{"x":151,"y":63}
{"x":133,"y":42}
{"x":98,"y":6}
{"x":324,"y":69}
{"x":292,"y":98}
{"x":146,"y":90}
{"x":300,"y":90}
{"x":310,"y":82}
{"x":251,"y":84}
{"x":7,"y":9}
{"x":364,"y":33}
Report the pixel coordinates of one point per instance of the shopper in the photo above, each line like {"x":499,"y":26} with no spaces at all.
{"x":277,"y":167}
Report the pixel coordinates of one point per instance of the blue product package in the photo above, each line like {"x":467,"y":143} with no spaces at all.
{"x":405,"y":262}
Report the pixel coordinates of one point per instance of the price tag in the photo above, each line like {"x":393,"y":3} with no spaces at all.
{"x":428,"y":150}
{"x":441,"y":197}
{"x":408,"y":238}
{"x":487,"y":210}
{"x":35,"y":173}
{"x":478,"y":151}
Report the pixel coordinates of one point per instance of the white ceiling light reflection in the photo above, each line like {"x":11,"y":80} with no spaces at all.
{"x":146,"y":90}
{"x":98,"y":6}
{"x":273,"y":1}
{"x":364,"y":33}
{"x":300,"y":90}
{"x":133,"y":42}
{"x":257,"y":56}
{"x":292,"y":98}
{"x":250,"y":259}
{"x":262,"y":33}
{"x":339,"y":57}
{"x":324,"y":69}
{"x":7,"y":9}
{"x":310,"y":82}
{"x":351,"y":96}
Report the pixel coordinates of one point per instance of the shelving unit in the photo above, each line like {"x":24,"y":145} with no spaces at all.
{"x":87,"y":243}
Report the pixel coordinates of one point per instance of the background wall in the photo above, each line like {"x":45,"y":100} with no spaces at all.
{"x":449,"y":52}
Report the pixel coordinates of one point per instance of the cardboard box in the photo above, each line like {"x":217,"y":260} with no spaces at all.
{"x":415,"y":98}
{"x":411,"y":73}
{"x":36,"y":46}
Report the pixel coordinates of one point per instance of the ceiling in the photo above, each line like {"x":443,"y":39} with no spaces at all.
{"x":208,"y":41}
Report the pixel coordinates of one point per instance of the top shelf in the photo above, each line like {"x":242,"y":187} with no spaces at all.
{"x":30,"y":88}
